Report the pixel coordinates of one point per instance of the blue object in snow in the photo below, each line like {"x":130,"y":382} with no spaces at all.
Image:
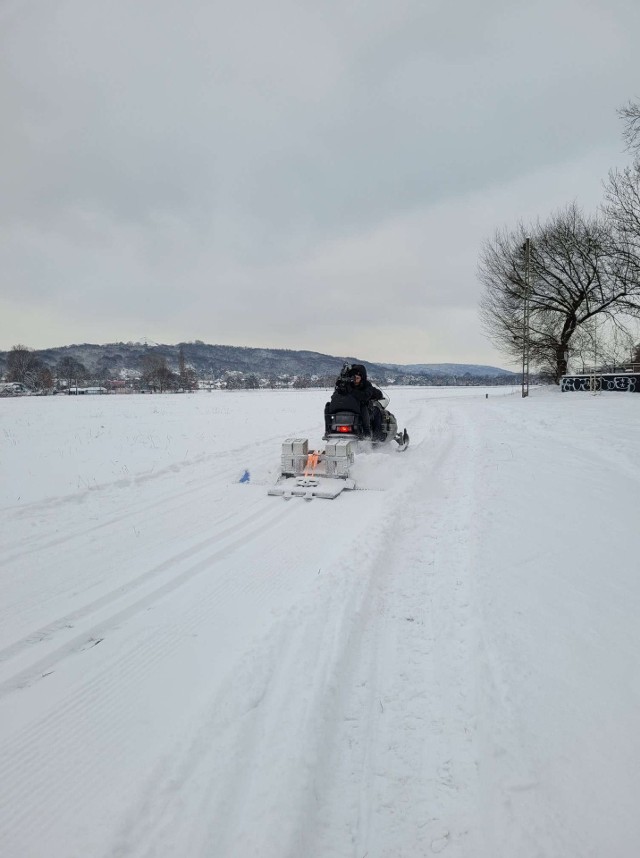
{"x":246,"y":477}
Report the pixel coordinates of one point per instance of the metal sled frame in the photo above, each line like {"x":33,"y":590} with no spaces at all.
{"x":312,"y":473}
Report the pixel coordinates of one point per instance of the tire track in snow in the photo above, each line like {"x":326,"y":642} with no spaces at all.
{"x":399,"y":776}
{"x":245,"y":730}
{"x":27,"y":607}
{"x":128,"y":669}
{"x":97,"y":716}
{"x":282,"y":701}
{"x":228,"y":473}
{"x":88,"y":734}
{"x":67,"y":626}
{"x":69,"y":620}
{"x":395,"y":764}
{"x":265,"y":446}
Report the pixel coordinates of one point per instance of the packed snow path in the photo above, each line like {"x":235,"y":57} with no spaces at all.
{"x":444,"y":663}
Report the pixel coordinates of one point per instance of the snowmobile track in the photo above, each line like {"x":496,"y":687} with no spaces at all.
{"x":216,"y":548}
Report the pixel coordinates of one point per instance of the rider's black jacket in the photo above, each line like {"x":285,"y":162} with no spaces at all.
{"x":365,"y":391}
{"x":351,"y":397}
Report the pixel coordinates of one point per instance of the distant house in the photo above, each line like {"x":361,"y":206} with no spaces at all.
{"x":13,"y":388}
{"x":88,"y":391}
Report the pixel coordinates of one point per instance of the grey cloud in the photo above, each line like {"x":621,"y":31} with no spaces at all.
{"x":241,"y":155}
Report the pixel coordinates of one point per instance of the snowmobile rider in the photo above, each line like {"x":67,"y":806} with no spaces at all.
{"x":362,"y":389}
{"x":354,"y":390}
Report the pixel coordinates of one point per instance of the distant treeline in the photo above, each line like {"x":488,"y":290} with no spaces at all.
{"x":140,"y":367}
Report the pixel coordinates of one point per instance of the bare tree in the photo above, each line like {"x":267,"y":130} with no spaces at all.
{"x":617,"y":348}
{"x":622,"y":193}
{"x":188,"y":376}
{"x":251,"y":381}
{"x":600,"y":343}
{"x":577,"y":272}
{"x":45,"y":379}
{"x":71,"y":371}
{"x":23,"y":365}
{"x":622,"y":208}
{"x":630,"y":113}
{"x":156,"y":373}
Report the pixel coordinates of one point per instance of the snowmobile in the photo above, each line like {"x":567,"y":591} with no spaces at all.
{"x":326,"y":473}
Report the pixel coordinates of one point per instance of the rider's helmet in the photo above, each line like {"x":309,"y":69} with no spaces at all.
{"x":358,"y":369}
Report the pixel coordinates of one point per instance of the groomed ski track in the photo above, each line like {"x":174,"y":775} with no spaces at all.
{"x":190,"y":667}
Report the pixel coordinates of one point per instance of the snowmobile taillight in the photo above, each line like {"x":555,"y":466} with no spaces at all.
{"x":345,"y":429}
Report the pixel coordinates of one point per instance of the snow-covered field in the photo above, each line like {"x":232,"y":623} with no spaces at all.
{"x":445,"y":663}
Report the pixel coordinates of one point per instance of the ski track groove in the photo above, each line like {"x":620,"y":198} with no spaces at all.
{"x":265,"y":445}
{"x":123,"y":670}
{"x":33,"y":672}
{"x":390,"y":661}
{"x":97,"y":710}
{"x":133,"y":509}
{"x":52,"y":628}
{"x":108,"y":721}
{"x":136,"y":514}
{"x":340,"y":630}
{"x":155,"y":818}
{"x":397,"y":801}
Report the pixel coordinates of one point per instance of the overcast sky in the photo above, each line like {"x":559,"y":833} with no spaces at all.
{"x":309,"y":175}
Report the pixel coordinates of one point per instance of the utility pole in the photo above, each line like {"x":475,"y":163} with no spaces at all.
{"x":594,"y":381}
{"x":525,"y":317}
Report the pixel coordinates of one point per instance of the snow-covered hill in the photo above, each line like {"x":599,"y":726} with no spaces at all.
{"x":212,"y":361}
{"x":443,"y":663}
{"x":455,"y":369}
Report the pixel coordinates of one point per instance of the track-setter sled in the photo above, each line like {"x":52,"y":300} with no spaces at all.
{"x":325,"y":473}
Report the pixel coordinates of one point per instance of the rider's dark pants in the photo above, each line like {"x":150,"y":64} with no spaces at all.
{"x":376,"y":423}
{"x":366,"y":420}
